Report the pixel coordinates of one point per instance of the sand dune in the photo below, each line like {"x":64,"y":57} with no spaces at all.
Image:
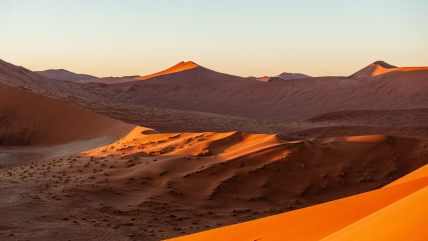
{"x":30,"y":119}
{"x":374,"y":69}
{"x":182,"y":66}
{"x":338,"y":137}
{"x":380,"y":68}
{"x":395,"y":212}
{"x":253,"y":175}
{"x":198,"y":100}
{"x":158,"y":185}
{"x":397,"y":118}
{"x":200,"y":89}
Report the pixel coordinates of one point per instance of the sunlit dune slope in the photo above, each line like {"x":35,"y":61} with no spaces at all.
{"x":182,"y":66}
{"x":259,"y":174}
{"x":27,"y":118}
{"x":163,"y":185}
{"x":405,"y":219}
{"x":395,"y":212}
{"x":380,"y":68}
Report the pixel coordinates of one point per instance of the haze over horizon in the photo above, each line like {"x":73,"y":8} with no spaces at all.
{"x":141,"y":37}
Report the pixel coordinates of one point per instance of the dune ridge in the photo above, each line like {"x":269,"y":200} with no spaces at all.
{"x":182,"y":66}
{"x":379,"y":68}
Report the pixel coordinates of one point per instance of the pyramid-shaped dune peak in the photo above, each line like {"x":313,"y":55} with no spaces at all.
{"x":181,"y":66}
{"x":384,"y":64}
{"x":374,"y":69}
{"x":185,"y":65}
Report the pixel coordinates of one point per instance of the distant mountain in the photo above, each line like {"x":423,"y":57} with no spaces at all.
{"x":283,"y":76}
{"x":112,"y":79}
{"x":288,"y":76}
{"x":62,"y":74}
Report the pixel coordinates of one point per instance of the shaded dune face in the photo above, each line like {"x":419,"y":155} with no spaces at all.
{"x":27,"y":118}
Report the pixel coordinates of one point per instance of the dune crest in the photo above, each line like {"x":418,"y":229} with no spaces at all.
{"x":182,"y":66}
{"x":380,"y":68}
{"x":371,"y":138}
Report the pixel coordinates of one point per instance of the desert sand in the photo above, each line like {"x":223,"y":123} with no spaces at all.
{"x":394,"y":212}
{"x":198,"y":89}
{"x":190,"y":149}
{"x":182,"y":66}
{"x":151,"y":186}
{"x":31,"y":119}
{"x":199,"y":100}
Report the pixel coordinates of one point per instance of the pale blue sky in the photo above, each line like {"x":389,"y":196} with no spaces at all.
{"x":243,"y":37}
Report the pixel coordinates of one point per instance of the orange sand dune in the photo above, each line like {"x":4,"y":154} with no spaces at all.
{"x":203,"y":90}
{"x":198,"y":99}
{"x":371,"y":138}
{"x":404,"y":219}
{"x":182,"y":66}
{"x":27,"y":118}
{"x":236,"y":171}
{"x":151,"y":186}
{"x":209,"y":143}
{"x":380,"y":68}
{"x":380,"y":71}
{"x":395,"y":212}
